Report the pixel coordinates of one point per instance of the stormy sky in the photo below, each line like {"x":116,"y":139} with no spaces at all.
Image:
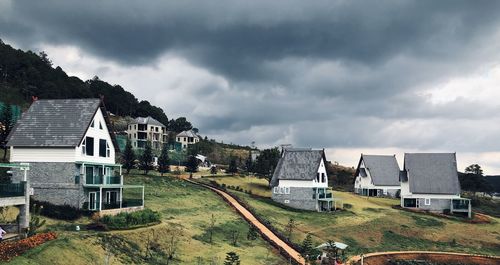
{"x":374,"y":77}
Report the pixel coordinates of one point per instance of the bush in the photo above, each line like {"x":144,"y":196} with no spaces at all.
{"x":98,"y":226}
{"x":128,"y":220}
{"x":347,"y":206}
{"x":10,"y":250}
{"x":60,"y":212}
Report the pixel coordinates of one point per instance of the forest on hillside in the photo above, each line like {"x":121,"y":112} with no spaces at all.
{"x":24,"y":74}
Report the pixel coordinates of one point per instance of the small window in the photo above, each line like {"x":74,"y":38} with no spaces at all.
{"x":84,"y":151}
{"x":427,"y":201}
{"x":317,"y":177}
{"x":100,"y":125}
{"x":92,"y":124}
{"x":287,"y":190}
{"x":275,"y":190}
{"x":77,"y":179}
{"x":108,"y":150}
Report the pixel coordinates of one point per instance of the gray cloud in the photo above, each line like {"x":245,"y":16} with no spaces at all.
{"x":347,"y":74}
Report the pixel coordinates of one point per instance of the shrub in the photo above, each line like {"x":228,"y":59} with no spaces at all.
{"x":128,"y":220}
{"x":60,"y":212}
{"x":10,"y":250}
{"x":98,"y":226}
{"x":347,"y":206}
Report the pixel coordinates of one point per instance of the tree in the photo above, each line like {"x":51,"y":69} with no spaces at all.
{"x":211,"y":228}
{"x":266,"y":163}
{"x":5,"y":127}
{"x":249,"y":162}
{"x":233,"y":236}
{"x":232,"y":259}
{"x":233,"y":168}
{"x":128,"y":156}
{"x":179,"y":125}
{"x":146,"y":159}
{"x":45,"y":58}
{"x":474,"y":169}
{"x":213,"y":170}
{"x":289,"y":228}
{"x":192,"y":164}
{"x":252,"y":233}
{"x":164,"y":161}
{"x":308,"y":251}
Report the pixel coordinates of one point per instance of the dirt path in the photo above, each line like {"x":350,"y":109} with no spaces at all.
{"x":251,"y":218}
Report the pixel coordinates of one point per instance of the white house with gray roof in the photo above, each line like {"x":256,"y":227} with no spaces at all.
{"x":186,"y":138}
{"x":71,"y":154}
{"x":429,"y":181}
{"x":377,"y":175}
{"x":300,"y":180}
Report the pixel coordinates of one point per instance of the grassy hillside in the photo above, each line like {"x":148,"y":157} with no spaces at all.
{"x":186,"y":210}
{"x":371,"y":224}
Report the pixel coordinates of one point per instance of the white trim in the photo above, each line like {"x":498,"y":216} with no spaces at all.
{"x":427,"y":201}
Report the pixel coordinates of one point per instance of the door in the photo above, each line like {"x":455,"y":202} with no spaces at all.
{"x":92,"y":200}
{"x":111,"y":197}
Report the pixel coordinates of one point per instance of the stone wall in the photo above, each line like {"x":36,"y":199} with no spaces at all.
{"x":54,"y":182}
{"x":299,"y":198}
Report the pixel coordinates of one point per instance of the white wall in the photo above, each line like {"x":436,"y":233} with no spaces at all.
{"x":97,"y":134}
{"x":367,"y":182}
{"x":42,"y":154}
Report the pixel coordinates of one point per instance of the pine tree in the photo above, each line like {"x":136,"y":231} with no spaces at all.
{"x":164,"y":161}
{"x":128,"y":157}
{"x":146,"y":159}
{"x":192,"y":164}
{"x":232,"y":259}
{"x":308,"y":251}
{"x":233,"y":169}
{"x":6,"y":126}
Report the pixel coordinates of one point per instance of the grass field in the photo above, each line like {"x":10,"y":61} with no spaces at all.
{"x":371,"y":224}
{"x":186,"y":210}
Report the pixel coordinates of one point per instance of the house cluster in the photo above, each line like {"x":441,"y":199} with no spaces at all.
{"x":145,"y":130}
{"x":428,"y":181}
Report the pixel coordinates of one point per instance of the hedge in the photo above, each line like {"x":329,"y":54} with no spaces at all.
{"x":133,"y":219}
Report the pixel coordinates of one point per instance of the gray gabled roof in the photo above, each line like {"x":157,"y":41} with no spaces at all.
{"x":432,"y":173}
{"x":147,"y":120}
{"x":383,"y":169}
{"x":298,"y":165}
{"x":54,"y":123}
{"x":188,"y":133}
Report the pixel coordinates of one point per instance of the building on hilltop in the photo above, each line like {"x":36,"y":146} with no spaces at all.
{"x":377,"y":175}
{"x":186,"y":138}
{"x":147,"y":129}
{"x":71,"y":154}
{"x":300,"y":180}
{"x":429,"y":181}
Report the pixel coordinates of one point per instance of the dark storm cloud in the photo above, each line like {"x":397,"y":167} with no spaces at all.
{"x":236,"y":37}
{"x":348,"y":74}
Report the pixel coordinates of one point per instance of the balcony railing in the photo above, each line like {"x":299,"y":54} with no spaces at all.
{"x":131,"y":203}
{"x":325,"y":195}
{"x":98,"y":180}
{"x":12,"y":190}
{"x":460,"y":204}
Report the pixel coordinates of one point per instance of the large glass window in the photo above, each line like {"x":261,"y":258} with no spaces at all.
{"x":102,"y":148}
{"x":89,"y":146}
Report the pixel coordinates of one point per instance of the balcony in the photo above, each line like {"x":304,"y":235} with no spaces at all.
{"x":325,"y":196}
{"x":460,"y":205}
{"x":103,"y":180}
{"x":12,"y":190}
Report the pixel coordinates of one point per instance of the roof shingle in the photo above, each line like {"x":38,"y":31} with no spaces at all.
{"x":383,"y":169}
{"x":297,"y":165}
{"x":54,"y":123}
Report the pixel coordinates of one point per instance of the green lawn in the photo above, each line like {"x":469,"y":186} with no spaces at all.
{"x":371,"y":224}
{"x":186,"y":210}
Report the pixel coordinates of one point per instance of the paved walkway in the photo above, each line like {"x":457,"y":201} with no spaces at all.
{"x":251,"y":218}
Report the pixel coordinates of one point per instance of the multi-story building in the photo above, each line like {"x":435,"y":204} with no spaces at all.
{"x":186,"y":138}
{"x":147,"y":129}
{"x":71,"y":156}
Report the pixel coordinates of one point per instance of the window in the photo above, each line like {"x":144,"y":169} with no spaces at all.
{"x":317,"y":177}
{"x":156,"y":129}
{"x":323,"y":178}
{"x":102,"y":148}
{"x":89,"y":146}
{"x":84,"y":151}
{"x":275,"y":190}
{"x":100,"y":125}
{"x":427,"y":201}
{"x":108,"y":150}
{"x":287,"y":190}
{"x":92,"y":124}
{"x":77,"y":179}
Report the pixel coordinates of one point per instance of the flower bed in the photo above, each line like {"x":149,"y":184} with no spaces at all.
{"x":10,"y":250}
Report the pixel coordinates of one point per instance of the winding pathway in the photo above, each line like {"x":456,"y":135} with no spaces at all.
{"x":251,"y":219}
